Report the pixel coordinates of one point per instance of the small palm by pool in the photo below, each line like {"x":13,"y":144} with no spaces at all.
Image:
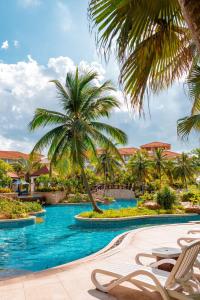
{"x":58,"y":240}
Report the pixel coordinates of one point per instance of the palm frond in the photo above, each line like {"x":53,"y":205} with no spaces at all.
{"x":44,"y":117}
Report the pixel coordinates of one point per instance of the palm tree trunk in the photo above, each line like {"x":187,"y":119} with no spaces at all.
{"x":95,"y":207}
{"x":190,"y":10}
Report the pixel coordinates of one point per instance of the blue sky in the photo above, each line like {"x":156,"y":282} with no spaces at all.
{"x":41,"y":40}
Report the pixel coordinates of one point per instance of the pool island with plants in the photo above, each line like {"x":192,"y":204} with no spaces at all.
{"x":14,"y":213}
{"x":165,"y":203}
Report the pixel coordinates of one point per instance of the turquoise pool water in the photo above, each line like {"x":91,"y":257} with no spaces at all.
{"x":58,"y":240}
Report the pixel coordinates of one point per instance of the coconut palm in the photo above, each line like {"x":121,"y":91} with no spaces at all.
{"x":192,"y":122}
{"x":159,"y":160}
{"x":140,"y":166}
{"x":152,"y":41}
{"x":107,"y":164}
{"x":76,"y":130}
{"x":184,"y":169}
{"x":169,"y":171}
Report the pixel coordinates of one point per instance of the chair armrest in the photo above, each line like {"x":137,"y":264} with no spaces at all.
{"x":193,"y":231}
{"x":184,"y":241}
{"x":140,"y":255}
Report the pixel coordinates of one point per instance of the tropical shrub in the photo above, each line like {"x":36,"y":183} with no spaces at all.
{"x":128,"y":212}
{"x":13,"y":209}
{"x":187,"y":196}
{"x":76,"y":198}
{"x":147,"y":197}
{"x":50,"y":189}
{"x":5,"y":190}
{"x":32,"y":206}
{"x":166,"y":198}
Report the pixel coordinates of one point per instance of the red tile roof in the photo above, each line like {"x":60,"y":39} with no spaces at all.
{"x":156,"y":145}
{"x":13,"y":175}
{"x":122,"y":151}
{"x":13,"y":155}
{"x":128,"y":151}
{"x":43,"y":171}
{"x":171,"y":154}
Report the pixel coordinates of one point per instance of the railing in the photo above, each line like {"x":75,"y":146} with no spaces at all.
{"x":100,"y":187}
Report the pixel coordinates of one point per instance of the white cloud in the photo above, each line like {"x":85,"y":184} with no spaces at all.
{"x":24,"y":86}
{"x":16,"y":43}
{"x":5,"y":45}
{"x":29,"y":3}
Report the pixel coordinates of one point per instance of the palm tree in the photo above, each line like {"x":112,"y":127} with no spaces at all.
{"x":107,"y":164}
{"x":25,"y":167}
{"x":152,"y":41}
{"x":169,"y":171}
{"x":159,"y":160}
{"x":140,"y":167}
{"x":184,"y":169}
{"x":192,"y":122}
{"x":76,"y":130}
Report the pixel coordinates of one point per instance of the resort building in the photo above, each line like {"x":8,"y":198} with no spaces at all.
{"x":151,"y":147}
{"x":12,"y":156}
{"x":128,"y":152}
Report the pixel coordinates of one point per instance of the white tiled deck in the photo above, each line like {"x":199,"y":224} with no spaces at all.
{"x":72,"y":281}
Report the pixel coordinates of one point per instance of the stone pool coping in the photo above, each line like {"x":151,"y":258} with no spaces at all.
{"x":41,"y":212}
{"x":79,"y":218}
{"x":16,"y":223}
{"x":17,"y":220}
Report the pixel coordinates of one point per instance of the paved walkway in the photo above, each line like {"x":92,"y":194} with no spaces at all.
{"x":72,"y":281}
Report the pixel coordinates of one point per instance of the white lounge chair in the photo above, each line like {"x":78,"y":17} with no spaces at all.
{"x":181,"y":283}
{"x":187,"y":239}
{"x":194,"y":231}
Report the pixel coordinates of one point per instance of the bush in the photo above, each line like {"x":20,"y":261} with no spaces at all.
{"x":128,"y":212}
{"x":32,"y":206}
{"x":76,"y":198}
{"x":166,"y":198}
{"x":5,"y":190}
{"x":187,"y":196}
{"x":13,"y":209}
{"x":147,"y":197}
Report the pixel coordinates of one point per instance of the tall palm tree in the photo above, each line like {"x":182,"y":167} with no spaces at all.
{"x":152,"y":41}
{"x":140,"y":167}
{"x":76,"y":130}
{"x":107,"y":164}
{"x":159,"y":160}
{"x":169,"y":171}
{"x":184,"y":169}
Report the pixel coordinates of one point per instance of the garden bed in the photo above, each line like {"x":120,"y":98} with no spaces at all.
{"x":13,"y":209}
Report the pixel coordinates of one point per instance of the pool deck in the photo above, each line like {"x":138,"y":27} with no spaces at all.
{"x":72,"y":281}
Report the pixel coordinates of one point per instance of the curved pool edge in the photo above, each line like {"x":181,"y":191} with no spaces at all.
{"x":16,"y":223}
{"x":90,"y":222}
{"x":39,"y":213}
{"x":107,"y":251}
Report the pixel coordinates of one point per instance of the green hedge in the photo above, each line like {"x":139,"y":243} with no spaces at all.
{"x":13,"y":209}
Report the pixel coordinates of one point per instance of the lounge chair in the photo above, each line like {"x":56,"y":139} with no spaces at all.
{"x":187,"y":239}
{"x":194,"y":231}
{"x":181,"y":283}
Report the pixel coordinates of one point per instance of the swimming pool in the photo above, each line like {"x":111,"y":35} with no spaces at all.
{"x":57,"y":240}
